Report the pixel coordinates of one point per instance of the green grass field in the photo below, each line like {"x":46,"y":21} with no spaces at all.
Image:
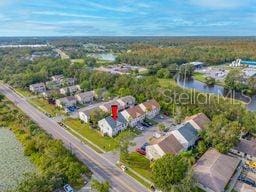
{"x":167,"y":83}
{"x":94,"y":136}
{"x":80,"y":61}
{"x":24,"y":92}
{"x":105,"y":143}
{"x":45,"y":106}
{"x":201,"y":77}
{"x":140,"y":164}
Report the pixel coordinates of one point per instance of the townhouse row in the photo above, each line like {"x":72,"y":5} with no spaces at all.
{"x":129,"y":117}
{"x":180,"y":139}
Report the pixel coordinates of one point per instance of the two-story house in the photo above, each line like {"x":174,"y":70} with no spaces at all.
{"x":109,"y":126}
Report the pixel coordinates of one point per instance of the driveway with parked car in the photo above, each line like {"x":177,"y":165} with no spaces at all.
{"x":149,"y":130}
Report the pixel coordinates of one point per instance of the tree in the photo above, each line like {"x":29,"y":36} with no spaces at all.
{"x":1,"y":97}
{"x":163,"y":73}
{"x":161,"y":127}
{"x":186,"y":71}
{"x":100,"y":186}
{"x":95,"y":116}
{"x":210,"y":81}
{"x":168,"y":172}
{"x":222,"y":133}
{"x":85,"y":85}
{"x":234,"y":80}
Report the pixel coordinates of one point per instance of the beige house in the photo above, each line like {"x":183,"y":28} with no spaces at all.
{"x":151,"y":108}
{"x":70,"y":90}
{"x":57,"y":77}
{"x":165,"y":145}
{"x":84,"y":114}
{"x":37,"y":88}
{"x":214,"y":170}
{"x":85,"y":97}
{"x":134,"y":115}
{"x":106,"y":107}
{"x":127,"y":101}
{"x":199,"y":121}
{"x":66,"y":102}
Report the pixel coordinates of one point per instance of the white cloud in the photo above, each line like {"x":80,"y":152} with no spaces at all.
{"x":54,"y":13}
{"x":220,"y":4}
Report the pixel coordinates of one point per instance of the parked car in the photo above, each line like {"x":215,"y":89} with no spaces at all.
{"x":149,"y":123}
{"x":144,"y":124}
{"x":247,"y":180}
{"x":140,"y":151}
{"x":143,"y":147}
{"x":68,"y":188}
{"x":165,"y":113}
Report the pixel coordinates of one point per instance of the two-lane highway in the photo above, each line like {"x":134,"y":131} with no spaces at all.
{"x":99,"y":165}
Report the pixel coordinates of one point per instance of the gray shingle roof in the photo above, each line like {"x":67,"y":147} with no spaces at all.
{"x":214,"y":170}
{"x":246,"y":146}
{"x":188,"y":132}
{"x":113,"y":123}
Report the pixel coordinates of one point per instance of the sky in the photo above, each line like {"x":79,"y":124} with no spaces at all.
{"x":127,"y":18}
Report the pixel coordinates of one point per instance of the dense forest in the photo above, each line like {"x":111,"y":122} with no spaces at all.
{"x":56,"y":166}
{"x":210,"y":51}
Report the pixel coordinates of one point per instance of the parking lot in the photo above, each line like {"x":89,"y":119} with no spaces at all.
{"x":246,"y":181}
{"x":218,"y":72}
{"x":152,"y":131}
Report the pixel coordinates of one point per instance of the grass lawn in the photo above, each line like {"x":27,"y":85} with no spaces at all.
{"x":24,"y":92}
{"x":105,"y":143}
{"x":42,"y":103}
{"x":201,"y":77}
{"x":140,"y":164}
{"x":80,"y":61}
{"x":167,"y":83}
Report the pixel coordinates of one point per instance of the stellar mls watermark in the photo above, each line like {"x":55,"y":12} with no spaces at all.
{"x":192,"y":96}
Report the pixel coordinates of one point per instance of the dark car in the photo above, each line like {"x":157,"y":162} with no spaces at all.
{"x":140,"y":151}
{"x":143,"y":147}
{"x":144,"y":124}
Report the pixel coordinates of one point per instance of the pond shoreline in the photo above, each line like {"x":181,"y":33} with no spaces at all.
{"x":219,"y":90}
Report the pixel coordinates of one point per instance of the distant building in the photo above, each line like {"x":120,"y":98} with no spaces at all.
{"x":245,"y":149}
{"x":214,"y":170}
{"x":109,"y":126}
{"x":66,"y":102}
{"x":69,"y":81}
{"x":37,"y":88}
{"x":54,"y":84}
{"x":199,"y":121}
{"x":106,"y":107}
{"x":166,"y":145}
{"x":84,"y":115}
{"x":126,"y":101}
{"x":85,"y":97}
{"x":57,"y":77}
{"x":197,"y":64}
{"x":186,"y":134}
{"x":151,"y":108}
{"x":70,"y":90}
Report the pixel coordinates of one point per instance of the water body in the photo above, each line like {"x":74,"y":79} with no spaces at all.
{"x":104,"y":56}
{"x":217,"y":90}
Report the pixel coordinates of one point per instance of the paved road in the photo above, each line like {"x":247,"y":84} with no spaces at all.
{"x":99,"y":165}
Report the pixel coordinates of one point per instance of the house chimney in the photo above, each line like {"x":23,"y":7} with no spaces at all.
{"x":114,"y":109}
